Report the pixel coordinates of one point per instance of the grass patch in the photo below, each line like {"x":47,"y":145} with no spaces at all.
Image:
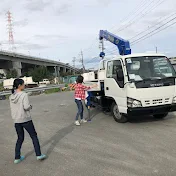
{"x":54,"y":90}
{"x":7,"y":97}
{"x":1,"y":87}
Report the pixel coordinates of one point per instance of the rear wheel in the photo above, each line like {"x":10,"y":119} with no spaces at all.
{"x":118,"y":117}
{"x":160,"y":116}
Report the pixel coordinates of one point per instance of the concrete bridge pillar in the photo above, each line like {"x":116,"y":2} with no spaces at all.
{"x":58,"y":71}
{"x":64,"y":70}
{"x":17,"y":66}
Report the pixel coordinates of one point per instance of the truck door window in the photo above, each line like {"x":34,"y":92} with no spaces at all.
{"x":112,"y":68}
{"x":109,"y":69}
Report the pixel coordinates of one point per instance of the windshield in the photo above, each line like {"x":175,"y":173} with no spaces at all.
{"x":143,"y":68}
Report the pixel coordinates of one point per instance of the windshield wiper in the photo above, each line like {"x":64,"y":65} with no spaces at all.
{"x":152,"y":79}
{"x":144,"y":80}
{"x":169,"y":77}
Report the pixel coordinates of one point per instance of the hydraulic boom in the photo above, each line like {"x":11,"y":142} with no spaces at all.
{"x":122,"y":45}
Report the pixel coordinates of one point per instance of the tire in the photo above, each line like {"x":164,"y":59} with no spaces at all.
{"x":118,"y":117}
{"x":160,"y":116}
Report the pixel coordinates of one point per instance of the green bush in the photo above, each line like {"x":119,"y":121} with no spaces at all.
{"x":11,"y":74}
{"x":54,"y":90}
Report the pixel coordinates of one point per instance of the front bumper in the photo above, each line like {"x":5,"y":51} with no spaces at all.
{"x":151,"y":110}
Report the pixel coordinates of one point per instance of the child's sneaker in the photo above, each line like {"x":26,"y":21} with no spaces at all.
{"x":42,"y":157}
{"x":19,"y":160}
{"x":83,"y":121}
{"x":77,"y":123}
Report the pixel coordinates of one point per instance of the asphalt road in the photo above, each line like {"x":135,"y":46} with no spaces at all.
{"x":141,"y":147}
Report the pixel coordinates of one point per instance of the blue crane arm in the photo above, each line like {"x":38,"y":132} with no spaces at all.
{"x":122,"y":45}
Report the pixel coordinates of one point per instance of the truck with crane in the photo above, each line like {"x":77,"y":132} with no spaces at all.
{"x":132,"y":84}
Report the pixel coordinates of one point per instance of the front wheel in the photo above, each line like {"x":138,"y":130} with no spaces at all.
{"x":118,"y":117}
{"x":160,"y":116}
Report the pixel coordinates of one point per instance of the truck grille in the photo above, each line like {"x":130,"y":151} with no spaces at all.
{"x":156,"y":102}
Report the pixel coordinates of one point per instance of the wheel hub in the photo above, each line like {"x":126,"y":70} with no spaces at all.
{"x":116,"y":112}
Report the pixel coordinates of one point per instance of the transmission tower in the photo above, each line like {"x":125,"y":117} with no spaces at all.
{"x":10,"y":31}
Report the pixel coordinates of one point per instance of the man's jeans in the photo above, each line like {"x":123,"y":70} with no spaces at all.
{"x":29,"y":127}
{"x":80,"y":109}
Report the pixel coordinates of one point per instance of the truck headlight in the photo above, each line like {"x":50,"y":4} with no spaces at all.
{"x":174,"y":100}
{"x":132,"y":103}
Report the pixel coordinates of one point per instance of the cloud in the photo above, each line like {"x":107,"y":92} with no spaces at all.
{"x":36,"y":5}
{"x":18,"y":42}
{"x":63,"y":8}
{"x":48,"y":39}
{"x":105,"y":2}
{"x":49,"y":36}
{"x":29,"y":46}
{"x":55,"y":26}
{"x":21,"y":23}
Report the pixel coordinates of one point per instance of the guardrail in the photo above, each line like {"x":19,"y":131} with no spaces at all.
{"x":34,"y":89}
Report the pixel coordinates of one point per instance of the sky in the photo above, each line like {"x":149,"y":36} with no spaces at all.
{"x":60,"y":29}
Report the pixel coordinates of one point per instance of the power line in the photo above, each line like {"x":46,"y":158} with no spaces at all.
{"x":142,"y":4}
{"x":153,"y":31}
{"x":159,"y":22}
{"x":133,"y":11}
{"x":142,"y":7}
{"x":133,"y":21}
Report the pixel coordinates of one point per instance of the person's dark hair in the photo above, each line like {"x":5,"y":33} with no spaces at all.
{"x":16,"y":84}
{"x":80,"y":79}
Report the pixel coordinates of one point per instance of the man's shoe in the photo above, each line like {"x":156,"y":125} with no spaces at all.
{"x":42,"y":157}
{"x":83,"y":121}
{"x":17,"y":161}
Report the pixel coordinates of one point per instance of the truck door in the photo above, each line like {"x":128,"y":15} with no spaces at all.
{"x":115,"y":88}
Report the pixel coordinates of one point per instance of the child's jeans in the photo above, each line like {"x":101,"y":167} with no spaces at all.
{"x":80,"y":109}
{"x":29,"y":127}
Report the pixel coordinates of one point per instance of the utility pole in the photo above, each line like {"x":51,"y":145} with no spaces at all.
{"x":156,"y":49}
{"x":82,"y":61}
{"x":74,"y":60}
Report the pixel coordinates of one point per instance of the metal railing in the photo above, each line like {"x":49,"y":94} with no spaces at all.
{"x":36,"y":89}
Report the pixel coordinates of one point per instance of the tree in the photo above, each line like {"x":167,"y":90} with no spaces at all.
{"x":66,"y":74}
{"x":11,"y":74}
{"x":39,"y":73}
{"x":1,"y":75}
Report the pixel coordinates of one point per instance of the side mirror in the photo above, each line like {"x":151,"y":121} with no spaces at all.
{"x":120,"y":76}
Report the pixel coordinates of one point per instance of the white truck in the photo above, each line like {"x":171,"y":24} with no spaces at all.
{"x":135,"y":85}
{"x":28,"y":81}
{"x":44,"y":82}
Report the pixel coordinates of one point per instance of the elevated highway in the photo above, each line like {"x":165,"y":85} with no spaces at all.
{"x":21,"y":63}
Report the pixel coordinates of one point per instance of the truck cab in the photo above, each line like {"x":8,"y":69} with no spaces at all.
{"x":136,"y":84}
